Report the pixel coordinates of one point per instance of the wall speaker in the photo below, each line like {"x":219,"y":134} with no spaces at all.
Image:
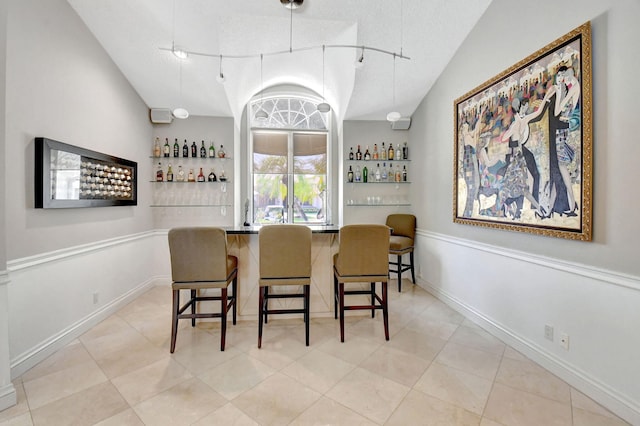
{"x":403,"y":124}
{"x":160,"y":115}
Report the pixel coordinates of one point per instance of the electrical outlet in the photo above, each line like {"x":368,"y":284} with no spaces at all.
{"x":564,"y":341}
{"x":548,"y":332}
{"x":96,"y":297}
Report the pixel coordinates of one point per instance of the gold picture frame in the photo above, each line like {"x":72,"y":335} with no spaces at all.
{"x":524,"y":142}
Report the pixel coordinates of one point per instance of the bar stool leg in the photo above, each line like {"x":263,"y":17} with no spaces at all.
{"x":413,"y":274}
{"x":306,"y":313}
{"x":341,"y":295}
{"x":399,"y":271}
{"x":193,"y":307}
{"x":174,"y":319}
{"x":260,"y":311}
{"x":223,"y":325}
{"x":373,"y":300}
{"x":385,"y":310}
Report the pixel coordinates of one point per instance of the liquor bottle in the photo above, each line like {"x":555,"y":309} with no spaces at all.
{"x":203,"y":151}
{"x":167,"y":148}
{"x":390,"y":176}
{"x":212,"y":176}
{"x":405,"y":151}
{"x":221,"y":153}
{"x":398,"y":174}
{"x":191,"y":177}
{"x":404,"y":173}
{"x":378,"y":175}
{"x":365,"y":174}
{"x":169,"y":174}
{"x":358,"y":154}
{"x":383,"y":152}
{"x":390,"y":153}
{"x":351,"y":153}
{"x":358,"y":175}
{"x":156,"y":148}
{"x":383,"y":175}
{"x":180,"y":174}
{"x":350,"y":175}
{"x":194,"y":149}
{"x":200,"y":176}
{"x":212,"y":150}
{"x":367,"y":156}
{"x":223,"y":177}
{"x":375,"y":151}
{"x":176,"y":148}
{"x":185,"y":149}
{"x":159,"y":173}
{"x":399,"y":153}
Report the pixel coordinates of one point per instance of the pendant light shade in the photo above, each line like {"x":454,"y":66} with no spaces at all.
{"x":180,"y":113}
{"x":323,"y":107}
{"x":394,"y":115}
{"x":261,"y":115}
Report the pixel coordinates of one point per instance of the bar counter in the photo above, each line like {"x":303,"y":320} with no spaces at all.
{"x":243,"y":243}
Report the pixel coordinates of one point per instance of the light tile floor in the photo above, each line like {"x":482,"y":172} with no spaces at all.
{"x":438,"y":368}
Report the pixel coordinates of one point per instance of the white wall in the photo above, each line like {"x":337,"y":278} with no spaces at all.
{"x":61,"y":84}
{"x":515,"y":283}
{"x":7,"y":391}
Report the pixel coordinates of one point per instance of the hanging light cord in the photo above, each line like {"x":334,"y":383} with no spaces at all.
{"x":291,"y":28}
{"x":323,"y":73}
{"x":394,"y":81}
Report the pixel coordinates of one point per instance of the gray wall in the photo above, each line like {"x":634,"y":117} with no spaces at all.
{"x":62,"y":85}
{"x":514,"y":283}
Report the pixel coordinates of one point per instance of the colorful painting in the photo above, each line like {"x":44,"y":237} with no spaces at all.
{"x":523,"y":144}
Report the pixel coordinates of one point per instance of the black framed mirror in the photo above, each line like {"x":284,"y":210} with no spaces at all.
{"x":68,"y":176}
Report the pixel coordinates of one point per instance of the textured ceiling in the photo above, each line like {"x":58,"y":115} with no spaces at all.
{"x":136,"y":34}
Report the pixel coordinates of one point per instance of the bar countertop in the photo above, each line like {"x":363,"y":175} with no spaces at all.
{"x":253,"y":229}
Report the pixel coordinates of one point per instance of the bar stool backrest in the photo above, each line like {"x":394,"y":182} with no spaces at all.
{"x":363,"y":250}
{"x":198,"y":254}
{"x":403,"y":225}
{"x":285,"y":251}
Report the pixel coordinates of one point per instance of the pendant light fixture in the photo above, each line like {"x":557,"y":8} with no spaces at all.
{"x":181,"y":54}
{"x":323,"y":106}
{"x":261,"y":114}
{"x":394,"y":115}
{"x":359,"y":63}
{"x":180,"y":112}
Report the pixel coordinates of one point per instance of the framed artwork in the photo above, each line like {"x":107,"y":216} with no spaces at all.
{"x":68,"y":176}
{"x":523,"y":144}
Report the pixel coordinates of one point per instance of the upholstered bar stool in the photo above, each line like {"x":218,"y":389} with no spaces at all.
{"x":403,"y":232}
{"x":285,"y":260}
{"x":199,"y":261}
{"x":362,"y":257}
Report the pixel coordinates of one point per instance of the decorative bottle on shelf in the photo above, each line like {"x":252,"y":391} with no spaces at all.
{"x":180,"y":174}
{"x":190,"y":176}
{"x":383,"y":152}
{"x":176,"y":148}
{"x":404,"y":173}
{"x":169,"y":174}
{"x":212,"y":176}
{"x":383,"y":175}
{"x":167,"y":148}
{"x":405,"y":151}
{"x":159,"y":173}
{"x":390,"y":155}
{"x":200,"y":176}
{"x":185,"y":149}
{"x":212,"y":150}
{"x":350,"y":175}
{"x":367,"y":156}
{"x":194,"y":149}
{"x":221,"y":153}
{"x":365,"y":174}
{"x":358,"y":154}
{"x":351,"y":153}
{"x":203,"y":151}
{"x":378,"y":174}
{"x":358,"y":175}
{"x":156,"y":148}
{"x":398,"y":173}
{"x":399,"y":153}
{"x":375,"y":151}
{"x":390,"y":176}
{"x":223,"y":177}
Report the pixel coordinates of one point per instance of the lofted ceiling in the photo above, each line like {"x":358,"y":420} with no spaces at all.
{"x":139,"y":35}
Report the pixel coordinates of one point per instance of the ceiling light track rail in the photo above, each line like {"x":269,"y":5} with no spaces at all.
{"x":299,"y":49}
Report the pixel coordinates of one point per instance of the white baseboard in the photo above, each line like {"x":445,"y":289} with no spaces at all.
{"x":28,"y":359}
{"x":581,"y":381}
{"x":8,"y":397}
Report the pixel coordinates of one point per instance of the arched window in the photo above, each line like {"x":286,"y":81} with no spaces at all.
{"x":289,"y":160}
